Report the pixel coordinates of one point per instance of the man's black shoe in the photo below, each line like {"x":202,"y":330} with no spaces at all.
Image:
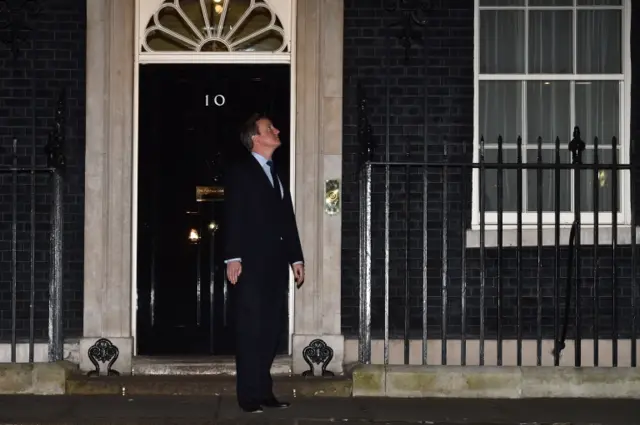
{"x":275,"y":404}
{"x":251,"y":409}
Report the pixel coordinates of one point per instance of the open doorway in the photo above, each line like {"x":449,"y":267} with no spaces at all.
{"x":189,"y":122}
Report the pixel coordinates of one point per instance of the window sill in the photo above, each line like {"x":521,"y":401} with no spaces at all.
{"x":530,"y":236}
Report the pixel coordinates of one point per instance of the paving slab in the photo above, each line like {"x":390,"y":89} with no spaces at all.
{"x":192,"y":410}
{"x":319,"y":409}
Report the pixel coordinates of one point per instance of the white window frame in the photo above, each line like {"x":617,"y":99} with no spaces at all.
{"x":530,"y":219}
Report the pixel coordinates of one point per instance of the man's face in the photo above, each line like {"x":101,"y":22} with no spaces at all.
{"x":267,"y":134}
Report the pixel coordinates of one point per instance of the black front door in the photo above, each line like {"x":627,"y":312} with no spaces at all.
{"x":190,"y":118}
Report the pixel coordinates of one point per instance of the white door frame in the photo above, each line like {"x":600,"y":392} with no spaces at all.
{"x":143,"y":58}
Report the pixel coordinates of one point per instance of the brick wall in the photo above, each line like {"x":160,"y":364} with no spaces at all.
{"x":52,"y":58}
{"x":419,"y":128}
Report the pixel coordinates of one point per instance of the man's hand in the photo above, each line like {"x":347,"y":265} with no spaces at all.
{"x":298,"y":274}
{"x":234,"y":270}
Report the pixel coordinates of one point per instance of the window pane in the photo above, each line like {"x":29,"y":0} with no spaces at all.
{"x":551,"y":41}
{"x":603,"y":183}
{"x":501,"y":41}
{"x":598,"y":111}
{"x":547,"y":182}
{"x":599,"y":2}
{"x":599,"y":44}
{"x":548,"y":111}
{"x":500,"y":106}
{"x":509,"y":182}
{"x":502,"y":2}
{"x":550,"y":2}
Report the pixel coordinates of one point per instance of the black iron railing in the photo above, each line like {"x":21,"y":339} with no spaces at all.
{"x":33,"y":186}
{"x":421,"y":280}
{"x":35,"y":210}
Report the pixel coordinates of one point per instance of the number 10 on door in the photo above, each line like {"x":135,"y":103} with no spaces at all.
{"x":218,"y":100}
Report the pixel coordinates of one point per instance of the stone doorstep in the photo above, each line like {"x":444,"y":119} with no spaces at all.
{"x":493,"y":382}
{"x":294,"y":386}
{"x":35,"y":378}
{"x":197,"y":366}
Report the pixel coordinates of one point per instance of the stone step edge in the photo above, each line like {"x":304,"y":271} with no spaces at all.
{"x":495,"y":382}
{"x":207,"y":367}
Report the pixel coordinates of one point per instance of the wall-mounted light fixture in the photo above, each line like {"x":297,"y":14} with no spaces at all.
{"x":194,"y":236}
{"x":217,"y":7}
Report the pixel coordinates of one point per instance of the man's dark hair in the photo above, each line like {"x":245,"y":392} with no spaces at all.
{"x":250,"y":129}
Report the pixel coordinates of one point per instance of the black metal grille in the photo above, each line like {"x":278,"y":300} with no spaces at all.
{"x":577,"y":299}
{"x":32,"y":216}
{"x":35,"y":191}
{"x":435,"y":272}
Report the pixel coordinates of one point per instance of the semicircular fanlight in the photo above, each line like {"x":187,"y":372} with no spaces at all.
{"x":214,"y":26}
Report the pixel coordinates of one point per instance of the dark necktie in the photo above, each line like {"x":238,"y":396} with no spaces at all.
{"x":274,"y":178}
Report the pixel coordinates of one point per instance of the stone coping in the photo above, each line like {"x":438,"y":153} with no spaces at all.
{"x":399,"y":381}
{"x":494,"y":382}
{"x":35,"y":378}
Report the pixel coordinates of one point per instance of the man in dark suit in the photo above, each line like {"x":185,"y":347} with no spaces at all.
{"x":262,"y":242}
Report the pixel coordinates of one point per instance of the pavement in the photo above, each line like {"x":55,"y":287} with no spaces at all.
{"x":192,"y":410}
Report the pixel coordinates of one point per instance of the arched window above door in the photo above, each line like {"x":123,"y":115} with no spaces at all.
{"x":214,"y":26}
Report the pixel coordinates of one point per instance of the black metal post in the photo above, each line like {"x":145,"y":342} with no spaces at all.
{"x":365,"y":171}
{"x":387,"y":195}
{"x":407,"y":246}
{"x":57,"y":161}
{"x":614,"y":248}
{"x":445,"y":249}
{"x":425,"y":204}
{"x":14,"y":249}
{"x":539,"y":259}
{"x":596,"y":259}
{"x":481,"y":195}
{"x":556,"y":278}
{"x":463,"y":222}
{"x":577,"y":146}
{"x":56,"y":340}
{"x":500,"y":182}
{"x":634,"y":287}
{"x":32,"y":209}
{"x":519,"y":256}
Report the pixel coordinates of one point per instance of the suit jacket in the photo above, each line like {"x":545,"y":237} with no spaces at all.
{"x":260,"y":226}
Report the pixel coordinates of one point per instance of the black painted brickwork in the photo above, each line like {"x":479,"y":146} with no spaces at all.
{"x":448,"y":83}
{"x":54,"y":58}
